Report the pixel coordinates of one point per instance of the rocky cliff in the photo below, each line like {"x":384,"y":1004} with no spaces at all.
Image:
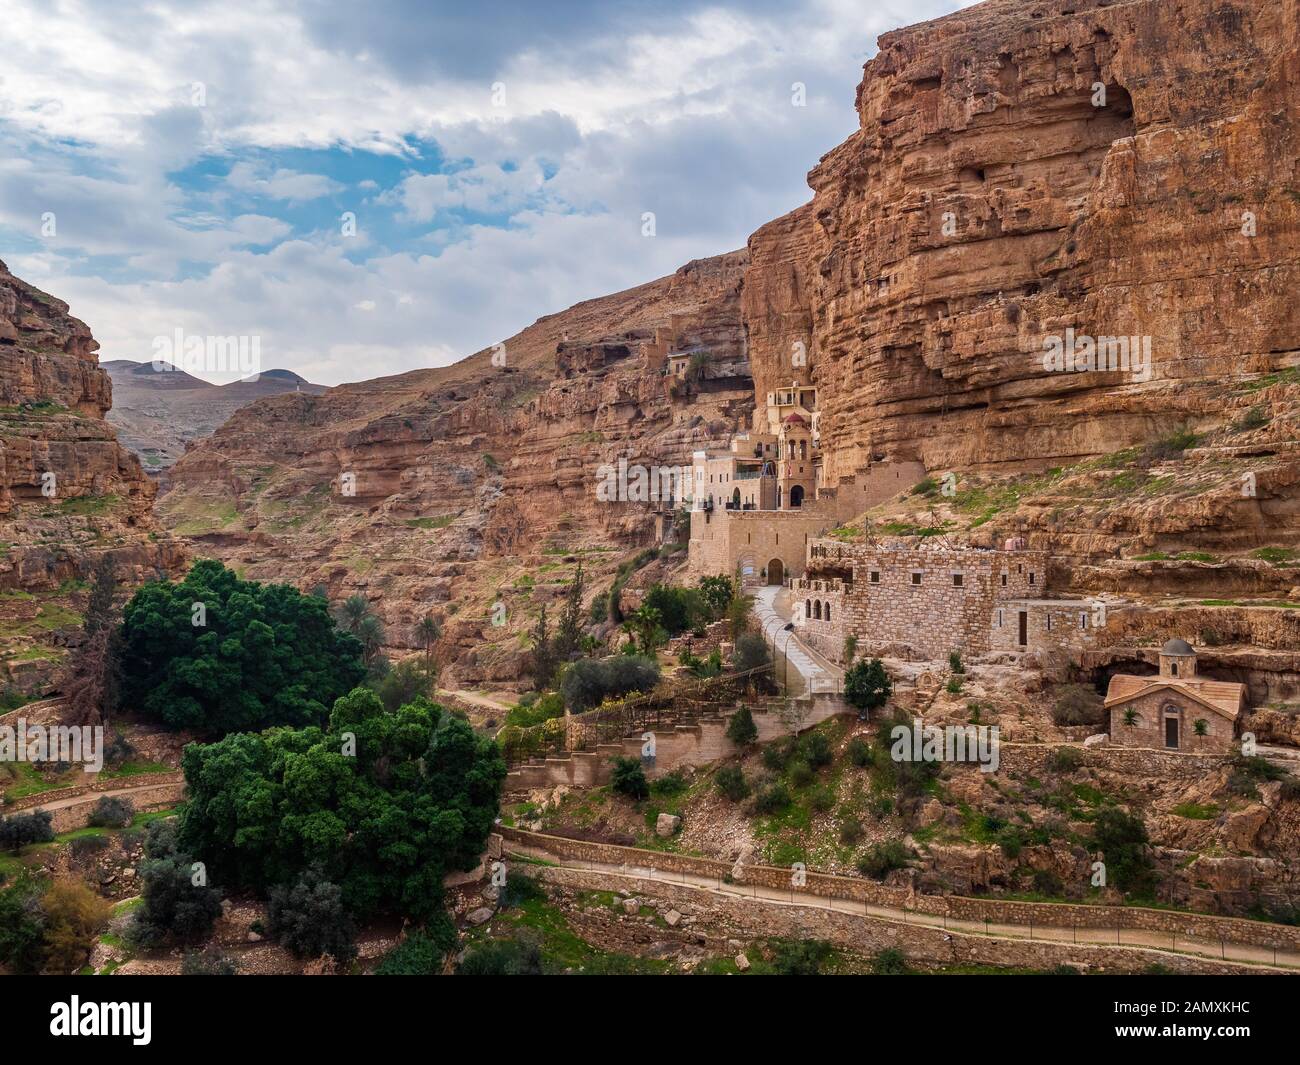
{"x":1025,"y":174}
{"x":69,"y":493}
{"x":450,"y":490}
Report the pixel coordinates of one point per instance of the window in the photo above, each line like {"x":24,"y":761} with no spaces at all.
{"x":1083,"y":619}
{"x":956,"y":580}
{"x":916,"y":578}
{"x":1031,"y":576}
{"x":1049,"y":619}
{"x":1004,"y":580}
{"x":1173,"y":669}
{"x":875,"y":576}
{"x":999,"y":619}
{"x":817,"y":610}
{"x":828,"y":612}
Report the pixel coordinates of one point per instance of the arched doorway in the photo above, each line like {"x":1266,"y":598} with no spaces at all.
{"x":796,"y":496}
{"x":775,"y":572}
{"x":735,"y":499}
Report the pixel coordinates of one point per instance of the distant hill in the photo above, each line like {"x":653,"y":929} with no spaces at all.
{"x":157,"y":409}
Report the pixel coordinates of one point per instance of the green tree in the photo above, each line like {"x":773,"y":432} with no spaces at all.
{"x":1122,"y":839}
{"x":179,"y":904}
{"x":628,"y":778}
{"x":544,"y":658}
{"x":867,"y":686}
{"x":309,"y":918}
{"x":750,"y":652}
{"x":217,"y":654}
{"x":589,"y":681}
{"x":355,"y":608}
{"x":718,"y":591}
{"x":741,"y":729}
{"x":429,"y":632}
{"x":568,"y":634}
{"x":386,"y":804}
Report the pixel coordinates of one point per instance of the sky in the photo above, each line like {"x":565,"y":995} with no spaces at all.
{"x":368,"y":189}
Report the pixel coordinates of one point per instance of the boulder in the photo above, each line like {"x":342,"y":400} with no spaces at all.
{"x":667,"y":824}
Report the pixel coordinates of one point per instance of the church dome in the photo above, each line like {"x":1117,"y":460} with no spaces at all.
{"x":1177,"y":647}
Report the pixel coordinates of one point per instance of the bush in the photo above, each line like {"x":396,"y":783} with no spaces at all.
{"x":210,"y":961}
{"x":508,"y":957}
{"x":309,"y":918}
{"x":867,"y":686}
{"x":954,"y":663}
{"x":889,"y":962}
{"x":859,"y":752}
{"x":777,"y":753}
{"x":1047,"y":883}
{"x":1078,"y":704}
{"x":800,"y":957}
{"x":18,"y":831}
{"x":1065,"y":759}
{"x":801,"y":774}
{"x":22,"y":927}
{"x":881,"y":859}
{"x":1122,"y":839}
{"x":404,"y":683}
{"x":589,"y":681}
{"x":851,"y":833}
{"x":421,"y":953}
{"x":750,"y":652}
{"x":772,"y":799}
{"x":112,"y":812}
{"x":673,"y":783}
{"x":175,"y":907}
{"x":732,"y":783}
{"x":821,"y":799}
{"x":628,"y":779}
{"x":520,"y":888}
{"x":815,"y":748}
{"x":679,"y":609}
{"x":74,"y":916}
{"x":741,"y":729}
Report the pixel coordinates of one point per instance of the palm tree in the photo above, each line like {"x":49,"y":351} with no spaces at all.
{"x":1130,"y":716}
{"x":354,"y":610}
{"x":429,"y":631}
{"x":371,"y":634}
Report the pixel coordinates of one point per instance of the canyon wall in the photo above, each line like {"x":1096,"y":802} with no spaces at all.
{"x":70,"y":494}
{"x":1119,"y":169}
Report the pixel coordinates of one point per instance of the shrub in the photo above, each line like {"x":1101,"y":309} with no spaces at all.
{"x":778,"y":753}
{"x":309,"y":918}
{"x":954,"y":685}
{"x":210,"y":961}
{"x":629,"y":779}
{"x":800,"y":957}
{"x":83,"y":847}
{"x":821,"y":799}
{"x":1122,"y":839}
{"x":732,"y":783}
{"x":599,"y":610}
{"x":772,"y":799}
{"x":174,"y":907}
{"x":801,"y":774}
{"x":508,"y":957}
{"x":859,"y":752}
{"x":750,"y":652}
{"x":889,"y":962}
{"x":1046,"y":882}
{"x":1078,"y":704}
{"x":673,"y":783}
{"x":867,"y":686}
{"x":679,"y":609}
{"x":850,"y":648}
{"x":405,"y":682}
{"x":1065,"y":759}
{"x":422,"y":952}
{"x":589,"y":681}
{"x":520,"y":888}
{"x":851,"y":833}
{"x":18,"y":831}
{"x":954,"y":662}
{"x":815,"y":748}
{"x":881,"y":859}
{"x":22,"y":926}
{"x":112,"y":812}
{"x":741,"y":729}
{"x":74,"y":915}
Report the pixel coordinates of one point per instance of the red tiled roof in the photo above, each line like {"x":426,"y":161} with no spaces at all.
{"x":1223,"y":697}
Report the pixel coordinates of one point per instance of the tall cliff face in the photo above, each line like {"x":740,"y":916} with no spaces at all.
{"x":450,"y":490}
{"x":69,"y":493}
{"x":1121,"y":169}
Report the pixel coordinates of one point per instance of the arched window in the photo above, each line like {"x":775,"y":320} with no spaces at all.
{"x":807,"y":608}
{"x":817,"y":609}
{"x":828,"y":612}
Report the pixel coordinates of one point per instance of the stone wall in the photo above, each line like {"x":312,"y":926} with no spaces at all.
{"x":94,"y":787}
{"x":68,"y":818}
{"x":723,"y":541}
{"x":871,"y":893}
{"x":1056,"y":626}
{"x":685,"y":745}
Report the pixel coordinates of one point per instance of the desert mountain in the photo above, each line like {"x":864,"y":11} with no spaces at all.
{"x":159,"y":408}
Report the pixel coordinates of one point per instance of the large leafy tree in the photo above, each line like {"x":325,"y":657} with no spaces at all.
{"x":381,"y":804}
{"x":254,"y":655}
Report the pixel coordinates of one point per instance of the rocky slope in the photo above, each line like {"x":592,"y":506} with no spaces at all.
{"x":69,"y":492}
{"x":449,"y":490}
{"x":157,"y":411}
